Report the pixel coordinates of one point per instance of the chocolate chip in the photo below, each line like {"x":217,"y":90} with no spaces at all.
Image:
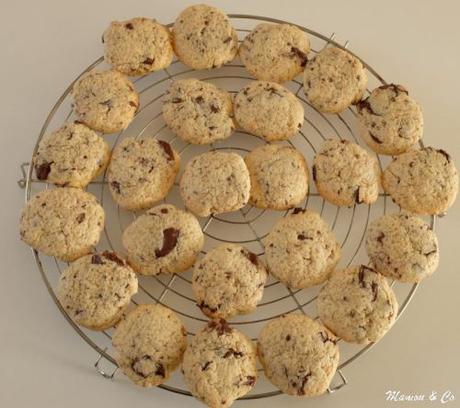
{"x":301,"y":55}
{"x":288,"y":337}
{"x":375,"y":290}
{"x":250,"y":380}
{"x":107,"y":103}
{"x":134,"y":104}
{"x":362,"y":283}
{"x":129,"y":26}
{"x":227,"y":40}
{"x":445,"y":154}
{"x":380,"y":238}
{"x":375,"y":138}
{"x":251,"y":256}
{"x":112,"y":256}
{"x":177,"y":100}
{"x":116,"y":186}
{"x":325,"y":338}
{"x":148,"y":61}
{"x":203,"y":305}
{"x":164,"y":211}
{"x":314,"y":173}
{"x":206,"y":365}
{"x":135,"y":365}
{"x":97,"y":260}
{"x":298,"y":210}
{"x":303,"y":383}
{"x":199,"y":99}
{"x":81,"y":217}
{"x":170,"y":236}
{"x":232,"y":352}
{"x":168,"y":149}
{"x":221,"y":326}
{"x":364,"y":104}
{"x":302,"y":237}
{"x":356,"y":195}
{"x":215,"y":109}
{"x":396,"y":88}
{"x":160,"y":371}
{"x":43,"y":170}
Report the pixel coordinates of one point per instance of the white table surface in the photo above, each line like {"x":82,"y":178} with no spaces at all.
{"x":45,"y":44}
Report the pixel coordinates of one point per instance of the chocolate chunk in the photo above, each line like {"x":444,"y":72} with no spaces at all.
{"x":396,"y":88}
{"x":116,"y":186}
{"x":301,"y":55}
{"x":313,"y":169}
{"x":302,"y":237}
{"x":177,"y":100}
{"x":445,"y":154}
{"x":303,"y":383}
{"x":227,"y":40}
{"x":170,"y":236}
{"x":215,"y":109}
{"x":43,"y":170}
{"x":364,"y":104}
{"x":325,"y":338}
{"x":362,"y":283}
{"x":232,"y":352}
{"x":199,"y":99}
{"x":380,"y":238}
{"x":356,"y":194}
{"x":288,"y":337}
{"x":298,"y":210}
{"x":81,"y":217}
{"x":160,"y":371}
{"x":375,"y":290}
{"x":97,"y":260}
{"x":375,"y":138}
{"x":221,"y":326}
{"x":148,"y":61}
{"x":250,"y":380}
{"x":135,"y":365}
{"x":164,"y":211}
{"x":129,"y":26}
{"x":273,"y":91}
{"x":203,"y":305}
{"x":206,"y":365}
{"x":251,"y":256}
{"x":112,"y":256}
{"x":168,"y":149}
{"x":134,"y":104}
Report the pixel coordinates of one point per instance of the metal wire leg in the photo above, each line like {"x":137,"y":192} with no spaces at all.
{"x":337,"y":387}
{"x":101,"y":371}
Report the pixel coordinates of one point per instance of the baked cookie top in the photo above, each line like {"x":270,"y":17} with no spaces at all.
{"x":391,"y":121}
{"x":105,"y":101}
{"x":228,"y":281}
{"x":214,"y":183}
{"x":73,"y":156}
{"x":137,"y":46}
{"x":279,"y":176}
{"x":333,"y":80}
{"x":219,"y":365}
{"x":275,"y":52}
{"x":357,"y":304}
{"x":422,"y":181}
{"x":163,"y":240}
{"x":301,"y":250}
{"x":63,"y":222}
{"x":96,"y":289}
{"x":198,"y":112}
{"x":345,"y":174}
{"x":268,"y":110}
{"x":203,"y":37}
{"x":149,"y":342}
{"x":299,"y":355}
{"x":141,"y":172}
{"x":402,"y":247}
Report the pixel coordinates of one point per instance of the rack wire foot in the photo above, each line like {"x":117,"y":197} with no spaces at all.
{"x":105,"y":374}
{"x":23,"y":181}
{"x":337,"y":387}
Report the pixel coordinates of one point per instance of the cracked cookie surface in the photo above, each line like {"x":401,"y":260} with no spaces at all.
{"x":357,"y":304}
{"x":149,"y":343}
{"x":72,"y":156}
{"x":141,"y":172}
{"x":345,"y":174}
{"x":163,"y":240}
{"x":229,"y":280}
{"x":203,"y":37}
{"x":275,"y":52}
{"x":299,"y":355}
{"x":301,"y":250}
{"x":198,"y":112}
{"x":268,"y":110}
{"x":279,"y":176}
{"x":214,"y":183}
{"x":96,"y":289}
{"x":137,"y":46}
{"x":105,"y":101}
{"x":402,"y":247}
{"x":391,"y":122}
{"x":422,"y":181}
{"x":333,"y":80}
{"x":219,"y":365}
{"x":64,"y":222}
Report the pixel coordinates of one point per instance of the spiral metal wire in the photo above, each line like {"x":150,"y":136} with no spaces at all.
{"x":248,"y":226}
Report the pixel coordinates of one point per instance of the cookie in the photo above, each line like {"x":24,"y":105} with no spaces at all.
{"x":357,"y":304}
{"x":275,"y":52}
{"x":219,"y":365}
{"x":198,"y":112}
{"x":137,"y":46}
{"x":105,"y":101}
{"x":228,"y":281}
{"x":141,"y":172}
{"x":402,"y":247}
{"x":214,"y":183}
{"x":149,"y":343}
{"x":71,"y":156}
{"x":203,"y":37}
{"x":345,"y":174}
{"x":279,"y":177}
{"x":333,"y":80}
{"x":422,"y":181}
{"x":64,"y":222}
{"x":301,"y":250}
{"x":391,"y":122}
{"x":96,"y":289}
{"x":299,"y":355}
{"x":163,"y":240}
{"x":268,"y":110}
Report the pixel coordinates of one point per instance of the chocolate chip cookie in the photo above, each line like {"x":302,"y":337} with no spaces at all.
{"x":268,"y":110}
{"x":357,"y":304}
{"x":299,"y":355}
{"x":198,"y":112}
{"x":163,"y":240}
{"x":149,"y":343}
{"x":275,"y":52}
{"x":141,"y":172}
{"x":96,"y":289}
{"x":219,"y":365}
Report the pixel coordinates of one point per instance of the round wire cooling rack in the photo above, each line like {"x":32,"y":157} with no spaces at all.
{"x":248,"y":226}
